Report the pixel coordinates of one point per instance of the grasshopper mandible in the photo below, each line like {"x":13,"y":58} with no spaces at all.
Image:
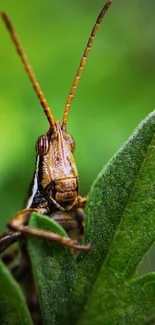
{"x":54,"y":190}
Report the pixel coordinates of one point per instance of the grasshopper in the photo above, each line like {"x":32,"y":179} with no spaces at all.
{"x":54,"y":189}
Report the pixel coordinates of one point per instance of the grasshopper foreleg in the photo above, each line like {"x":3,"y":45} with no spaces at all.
{"x":19,"y":223}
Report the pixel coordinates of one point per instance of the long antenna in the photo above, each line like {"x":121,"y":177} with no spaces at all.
{"x":29,"y":71}
{"x":83,"y":62}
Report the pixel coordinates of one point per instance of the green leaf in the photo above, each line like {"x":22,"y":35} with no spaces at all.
{"x":121,"y":221}
{"x":98,"y":288}
{"x":141,"y":298}
{"x":13,"y":309}
{"x":54,"y":268}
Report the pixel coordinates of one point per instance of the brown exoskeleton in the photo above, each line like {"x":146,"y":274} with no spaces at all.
{"x":54,"y":190}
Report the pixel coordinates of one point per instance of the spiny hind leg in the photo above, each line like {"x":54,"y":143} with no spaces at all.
{"x":19,"y":223}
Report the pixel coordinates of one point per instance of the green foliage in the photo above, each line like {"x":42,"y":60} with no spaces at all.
{"x":100,"y":287}
{"x":13,"y":310}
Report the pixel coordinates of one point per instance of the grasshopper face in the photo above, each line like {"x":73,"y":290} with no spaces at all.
{"x":56,"y":170}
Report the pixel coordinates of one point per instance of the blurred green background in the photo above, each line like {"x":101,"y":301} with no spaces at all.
{"x":116,"y":91}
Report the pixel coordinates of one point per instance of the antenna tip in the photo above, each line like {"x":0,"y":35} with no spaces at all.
{"x":6,"y":20}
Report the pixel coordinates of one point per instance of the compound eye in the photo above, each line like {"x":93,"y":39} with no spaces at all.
{"x":72,"y":143}
{"x":42,"y":145}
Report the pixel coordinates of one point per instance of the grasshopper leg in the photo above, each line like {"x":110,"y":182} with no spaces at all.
{"x":19,"y":223}
{"x":9,"y":238}
{"x":81,"y":201}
